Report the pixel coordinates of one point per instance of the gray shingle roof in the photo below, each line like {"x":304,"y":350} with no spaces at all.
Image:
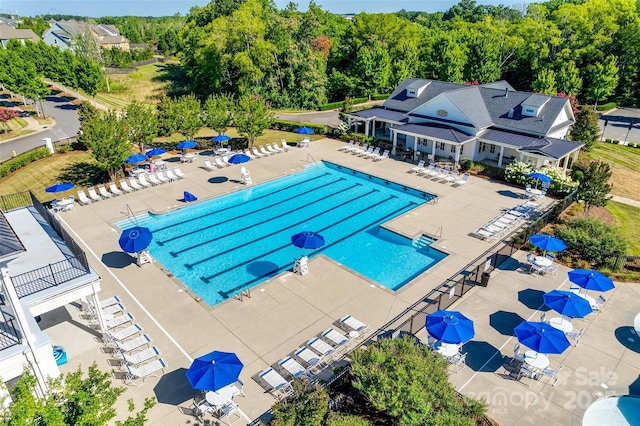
{"x":385,"y":114}
{"x":7,"y":32}
{"x":435,"y":130}
{"x":536,"y":100}
{"x":469,"y":100}
{"x":556,"y":148}
{"x":399,"y":101}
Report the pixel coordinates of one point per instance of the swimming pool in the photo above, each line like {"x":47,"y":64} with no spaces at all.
{"x":228,"y":244}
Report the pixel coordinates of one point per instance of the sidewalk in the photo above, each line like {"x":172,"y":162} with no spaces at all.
{"x":32,"y":124}
{"x":623,"y":200}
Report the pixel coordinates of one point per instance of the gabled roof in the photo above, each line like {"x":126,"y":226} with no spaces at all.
{"x":469,"y":101}
{"x":381,"y":113}
{"x":7,"y":32}
{"x":436,"y":130}
{"x":551,"y":147}
{"x":399,"y":101}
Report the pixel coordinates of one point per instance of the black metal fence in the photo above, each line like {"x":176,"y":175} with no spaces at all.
{"x":15,"y":201}
{"x":619,"y":263}
{"x":9,"y":335}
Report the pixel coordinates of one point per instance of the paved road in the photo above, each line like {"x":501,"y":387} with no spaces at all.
{"x":67,"y":125}
{"x":328,"y":118}
{"x":622,"y":124}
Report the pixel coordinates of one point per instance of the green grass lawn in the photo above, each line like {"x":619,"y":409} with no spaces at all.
{"x":625,"y":165}
{"x":268,"y":137}
{"x":627,"y":219}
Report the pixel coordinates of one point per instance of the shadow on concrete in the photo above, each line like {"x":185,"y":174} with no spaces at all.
{"x":634,"y":387}
{"x":118,"y":259}
{"x":508,"y":263}
{"x":69,"y":107}
{"x":509,"y":193}
{"x":504,"y":322}
{"x":174,"y":388}
{"x":263,"y":268}
{"x":628,"y":338}
{"x":482,"y":356}
{"x":532,"y":299}
{"x":218,"y":179}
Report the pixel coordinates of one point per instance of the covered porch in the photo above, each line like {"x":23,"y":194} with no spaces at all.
{"x":375,"y":122}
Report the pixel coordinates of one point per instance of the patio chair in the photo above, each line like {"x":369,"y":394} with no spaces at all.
{"x":264,"y":151}
{"x":354,"y":324}
{"x":227,"y":410}
{"x":134,"y":184}
{"x":139,"y":357}
{"x":442,"y":175}
{"x":451,"y":178}
{"x":338,"y":340}
{"x":553,"y":270}
{"x":536,"y":268}
{"x":543,"y":316}
{"x":132,"y":344}
{"x":248,"y":153}
{"x":179,"y":173}
{"x":257,"y":153}
{"x":111,"y":337}
{"x":314,"y":361}
{"x":321,"y":347}
{"x":143,"y":181}
{"x":225,"y":160}
{"x":279,"y":387}
{"x":136,"y":374}
{"x":83,"y":199}
{"x":114,"y":189}
{"x":529,"y":372}
{"x":373,"y":154}
{"x":237,"y":388}
{"x":125,"y":186}
{"x":355,"y":147}
{"x":93,"y":195}
{"x":527,"y":192}
{"x":518,"y":357}
{"x":153,"y":179}
{"x":600,"y":301}
{"x":463,"y":181}
{"x":357,"y":150}
{"x":170,"y":175}
{"x":425,"y":171}
{"x":484,"y":234}
{"x":284,"y":145}
{"x":161,"y":177}
{"x":116,"y":322}
{"x":103,"y":191}
{"x":382,"y":156}
{"x":210,"y":167}
{"x":459,"y":360}
{"x":200,"y":408}
{"x":292,"y":367}
{"x":347,"y":146}
{"x":109,"y":301}
{"x":275,"y":149}
{"x":221,"y":164}
{"x":553,"y":374}
{"x":417,"y":168}
{"x":368,"y":151}
{"x":575,"y":335}
{"x":434,"y":172}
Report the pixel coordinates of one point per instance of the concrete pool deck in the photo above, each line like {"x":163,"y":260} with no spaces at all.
{"x":283,"y":313}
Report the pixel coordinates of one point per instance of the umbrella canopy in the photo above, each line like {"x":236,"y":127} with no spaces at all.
{"x":239,"y":159}
{"x":308,"y":240}
{"x":188,"y":197}
{"x":59,"y":187}
{"x":187,"y":144}
{"x":214,"y":371}
{"x":547,"y":242}
{"x":135,"y":158}
{"x":155,"y":152}
{"x":541,"y":337}
{"x":304,"y":130}
{"x":591,"y":280}
{"x":450,"y":326}
{"x":136,"y":239}
{"x":540,"y":176}
{"x":567,"y":303}
{"x":220,"y":138}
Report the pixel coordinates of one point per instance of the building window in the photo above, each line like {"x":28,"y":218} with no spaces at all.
{"x":482,"y":146}
{"x":461,"y":149}
{"x":441,"y":146}
{"x":492,"y":149}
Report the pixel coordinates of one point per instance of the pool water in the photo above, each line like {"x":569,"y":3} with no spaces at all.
{"x":228,"y":244}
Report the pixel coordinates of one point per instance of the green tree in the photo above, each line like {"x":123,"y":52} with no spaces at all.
{"x":568,"y":79}
{"x":591,"y":239}
{"x":73,"y":400}
{"x":188,"y":116}
{"x":107,"y":139}
{"x":37,"y":25}
{"x":585,"y":129}
{"x":167,"y":116}
{"x":604,"y":80}
{"x":594,"y":187}
{"x":141,"y":124}
{"x":545,"y":82}
{"x":308,"y":406}
{"x":253,"y":116}
{"x":219,"y":110}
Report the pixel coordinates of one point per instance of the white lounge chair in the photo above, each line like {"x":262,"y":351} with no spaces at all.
{"x":425,"y":171}
{"x":113,"y":300}
{"x":220,"y":163}
{"x":484,"y":234}
{"x":153,"y":179}
{"x":264,"y":151}
{"x":452,"y":177}
{"x":433,"y":172}
{"x":313,"y":360}
{"x":257,"y":153}
{"x":114,"y":189}
{"x":375,"y":153}
{"x":441,"y":175}
{"x":320,"y":346}
{"x":119,"y":321}
{"x":161,"y":177}
{"x":82,"y":198}
{"x":354,"y":324}
{"x":335,"y":338}
{"x":132,"y":344}
{"x":382,"y":156}
{"x":93,"y":195}
{"x":143,"y":181}
{"x":134,"y":184}
{"x":279,"y":386}
{"x":117,"y":337}
{"x":248,"y":153}
{"x":284,"y":146}
{"x":272,"y":149}
{"x":367,"y":152}
{"x":347,"y":146}
{"x":125,"y":186}
{"x":292,"y":367}
{"x":417,"y":168}
{"x":355,"y":147}
{"x":209,"y":166}
{"x":135,"y":374}
{"x":139,"y":357}
{"x":170,"y":175}
{"x":463,"y":181}
{"x":179,"y":173}
{"x":103,"y":192}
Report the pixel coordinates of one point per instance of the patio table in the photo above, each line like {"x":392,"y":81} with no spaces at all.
{"x":136,"y":172}
{"x":222,"y":151}
{"x":536,"y":360}
{"x":535,"y":192}
{"x":591,"y":300}
{"x":447,"y":350}
{"x":65,"y":204}
{"x":561,"y":324}
{"x":161,"y":165}
{"x":542,"y":261}
{"x":220,"y":397}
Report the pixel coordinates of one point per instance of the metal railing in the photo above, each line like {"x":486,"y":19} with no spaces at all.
{"x":49,"y":276}
{"x":9,"y":335}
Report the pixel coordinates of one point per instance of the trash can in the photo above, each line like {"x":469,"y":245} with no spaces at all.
{"x":484,"y":279}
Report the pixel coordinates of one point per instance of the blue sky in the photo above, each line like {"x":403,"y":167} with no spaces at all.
{"x":97,"y":8}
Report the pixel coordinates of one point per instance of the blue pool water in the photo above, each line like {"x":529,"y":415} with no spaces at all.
{"x":228,"y":244}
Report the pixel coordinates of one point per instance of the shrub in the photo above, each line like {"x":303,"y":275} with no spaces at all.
{"x":362,"y":138}
{"x":606,"y":107}
{"x":22,"y":160}
{"x":338,"y":419}
{"x":290,"y":126}
{"x":632,"y":145}
{"x":466,"y":164}
{"x":560,"y":184}
{"x":380,"y":97}
{"x":590,"y":239}
{"x":616,"y":142}
{"x":608,"y":140}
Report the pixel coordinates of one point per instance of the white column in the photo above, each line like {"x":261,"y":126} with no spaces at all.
{"x":98,"y":308}
{"x":349,"y":122}
{"x":415,"y":148}
{"x":457,"y":158}
{"x":395,"y":142}
{"x":366,"y":128}
{"x":500,"y":156}
{"x":356,"y":129}
{"x":433,"y":150}
{"x":566,"y":162}
{"x":373,"y":128}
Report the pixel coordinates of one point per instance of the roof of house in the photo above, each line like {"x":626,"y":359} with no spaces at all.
{"x":381,"y":113}
{"x":112,"y":39}
{"x":7,"y":32}
{"x":10,"y":244}
{"x":551,"y":147}
{"x":105,"y":34}
{"x":435,"y":130}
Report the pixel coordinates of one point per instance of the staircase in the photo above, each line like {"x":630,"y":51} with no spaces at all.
{"x":423,"y":243}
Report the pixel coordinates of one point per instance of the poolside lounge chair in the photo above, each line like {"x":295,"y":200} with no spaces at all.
{"x":279,"y":386}
{"x":135,"y":374}
{"x":354,"y":324}
{"x":275,"y":150}
{"x":442,"y":175}
{"x":321,"y":346}
{"x":179,"y":173}
{"x":82,"y":198}
{"x":452,"y":177}
{"x":225,"y":160}
{"x":220,"y":163}
{"x":116,"y":337}
{"x":113,"y":300}
{"x":463,"y":181}
{"x":347,"y":146}
{"x":354,"y":147}
{"x":426,"y":170}
{"x":362,"y":149}
{"x":257,"y":153}
{"x":134,"y":184}
{"x":170,"y":175}
{"x":125,"y":186}
{"x":372,"y":154}
{"x":143,"y":181}
{"x":365,"y":153}
{"x":161,"y":177}
{"x":132,"y":344}
{"x":139,"y":357}
{"x":292,"y":367}
{"x":284,"y":145}
{"x":382,"y":156}
{"x":313,"y":360}
{"x":114,"y":189}
{"x":119,"y":321}
{"x":337,"y":339}
{"x":103,"y":191}
{"x":418,"y":168}
{"x":432,"y":173}
{"x":209,"y":166}
{"x":264,"y":151}
{"x":248,"y":153}
{"x":153,"y":179}
{"x":484,"y":234}
{"x":93,"y":195}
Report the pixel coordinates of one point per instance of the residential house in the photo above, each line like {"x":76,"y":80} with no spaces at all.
{"x":41,"y":269}
{"x":62,"y":33}
{"x":7,"y":32}
{"x":492,"y":123}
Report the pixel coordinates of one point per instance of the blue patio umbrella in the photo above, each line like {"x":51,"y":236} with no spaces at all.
{"x":541,"y":337}
{"x":189,"y":197}
{"x":308,"y":240}
{"x":220,"y":138}
{"x":450,"y":326}
{"x":59,"y":187}
{"x":539,"y":177}
{"x":136,"y":239}
{"x":187,"y":144}
{"x":155,"y":152}
{"x":547,"y":242}
{"x":214,"y":371}
{"x":567,"y":303}
{"x":304,"y":130}
{"x":135,"y":158}
{"x":591,"y":280}
{"x":239,"y":159}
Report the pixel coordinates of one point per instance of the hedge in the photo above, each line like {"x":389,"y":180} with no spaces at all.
{"x":331,"y":105}
{"x":23,"y":160}
{"x":290,"y":126}
{"x":606,"y":107}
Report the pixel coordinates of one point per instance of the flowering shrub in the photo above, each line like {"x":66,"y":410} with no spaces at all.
{"x":560,"y":184}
